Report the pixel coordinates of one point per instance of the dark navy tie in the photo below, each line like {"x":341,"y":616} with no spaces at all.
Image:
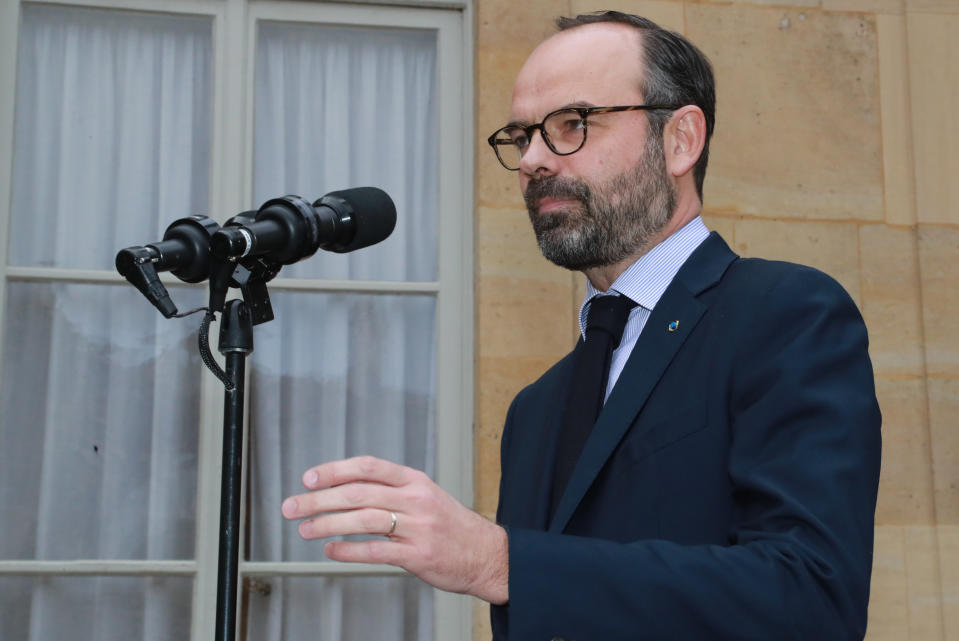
{"x":605,"y":323}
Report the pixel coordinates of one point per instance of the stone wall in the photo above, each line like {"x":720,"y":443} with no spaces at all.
{"x":837,"y":146}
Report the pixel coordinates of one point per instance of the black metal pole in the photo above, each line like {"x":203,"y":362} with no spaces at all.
{"x":236,"y":342}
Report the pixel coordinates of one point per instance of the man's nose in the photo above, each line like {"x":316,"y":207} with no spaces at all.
{"x":538,"y":157}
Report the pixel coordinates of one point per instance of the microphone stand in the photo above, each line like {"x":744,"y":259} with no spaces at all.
{"x":235,"y":344}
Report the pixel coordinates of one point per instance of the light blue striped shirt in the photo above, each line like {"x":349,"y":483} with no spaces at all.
{"x":644,"y":282}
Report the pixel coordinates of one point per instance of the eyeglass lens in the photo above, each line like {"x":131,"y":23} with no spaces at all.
{"x":565,"y":132}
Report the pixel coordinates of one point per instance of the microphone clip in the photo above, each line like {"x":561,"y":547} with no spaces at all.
{"x":250,"y":275}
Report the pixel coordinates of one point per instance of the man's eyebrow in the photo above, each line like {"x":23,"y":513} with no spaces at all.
{"x":568,"y":105}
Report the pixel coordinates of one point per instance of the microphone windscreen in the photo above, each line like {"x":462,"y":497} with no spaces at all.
{"x":374,"y":215}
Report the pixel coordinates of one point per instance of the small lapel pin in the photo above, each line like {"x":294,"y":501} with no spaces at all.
{"x":673,"y":326}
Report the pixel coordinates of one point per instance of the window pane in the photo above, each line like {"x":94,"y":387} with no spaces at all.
{"x":336,"y":375}
{"x":95,"y":608}
{"x":98,"y":424}
{"x":340,"y":107}
{"x":112,"y":133}
{"x":332,"y":609}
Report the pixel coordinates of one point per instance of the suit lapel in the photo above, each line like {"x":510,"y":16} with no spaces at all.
{"x":654,"y":351}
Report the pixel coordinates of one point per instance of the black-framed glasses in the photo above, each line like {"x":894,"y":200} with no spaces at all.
{"x":563,"y":131}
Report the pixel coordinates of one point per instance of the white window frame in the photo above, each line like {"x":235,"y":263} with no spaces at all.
{"x":234,"y":39}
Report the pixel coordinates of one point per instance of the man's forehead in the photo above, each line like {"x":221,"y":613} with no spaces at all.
{"x":583,"y":66}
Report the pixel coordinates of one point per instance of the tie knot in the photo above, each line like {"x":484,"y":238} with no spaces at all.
{"x":608,"y":314}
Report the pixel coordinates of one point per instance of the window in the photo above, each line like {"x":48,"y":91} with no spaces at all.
{"x":128,"y":116}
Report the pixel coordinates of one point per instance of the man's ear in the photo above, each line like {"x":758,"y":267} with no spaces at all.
{"x":683,"y":139}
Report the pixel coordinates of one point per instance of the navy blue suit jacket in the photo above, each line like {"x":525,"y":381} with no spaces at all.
{"x":728,"y":488}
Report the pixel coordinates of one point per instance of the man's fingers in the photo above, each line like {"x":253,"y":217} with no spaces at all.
{"x":365,"y":521}
{"x":351,"y":496}
{"x":379,"y":551}
{"x":360,"y":468}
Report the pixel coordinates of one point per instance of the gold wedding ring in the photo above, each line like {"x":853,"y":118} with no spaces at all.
{"x":392,"y":524}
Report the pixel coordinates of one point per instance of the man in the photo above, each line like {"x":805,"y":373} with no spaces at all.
{"x":727,"y":488}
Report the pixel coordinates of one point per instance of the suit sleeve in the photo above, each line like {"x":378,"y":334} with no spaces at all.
{"x":804,"y":465}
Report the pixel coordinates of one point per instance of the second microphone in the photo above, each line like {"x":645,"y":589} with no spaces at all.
{"x":289,"y":229}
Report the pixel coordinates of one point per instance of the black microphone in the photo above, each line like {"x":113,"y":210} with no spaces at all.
{"x":289,"y":229}
{"x":185,"y":249}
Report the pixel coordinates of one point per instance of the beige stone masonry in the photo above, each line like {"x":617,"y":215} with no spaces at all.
{"x":943,"y":413}
{"x":939,"y":270}
{"x":798,"y":114}
{"x":949,"y":562}
{"x":889,"y":7}
{"x":933,"y":41}
{"x":891,"y":299}
{"x":889,"y":596}
{"x":923,"y":583}
{"x":932,"y":6}
{"x":905,"y":483}
{"x":725,"y":226}
{"x":828,"y":246}
{"x":897,"y":160}
{"x":665,"y":13}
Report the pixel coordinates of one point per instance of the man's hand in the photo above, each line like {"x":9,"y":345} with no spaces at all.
{"x":435,"y":537}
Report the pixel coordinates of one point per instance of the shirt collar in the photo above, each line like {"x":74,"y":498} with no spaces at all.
{"x":645,"y":280}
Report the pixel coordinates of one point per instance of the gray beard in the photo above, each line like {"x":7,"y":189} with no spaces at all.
{"x":615,"y":220}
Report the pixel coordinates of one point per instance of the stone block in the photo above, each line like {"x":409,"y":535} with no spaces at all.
{"x":890,"y":7}
{"x":507,"y":250}
{"x":492,"y":401}
{"x":762,"y":3}
{"x":891,"y":300}
{"x":523,"y":306}
{"x":905,"y":483}
{"x":507,"y":24}
{"x":949,"y":563}
{"x":897,"y":160}
{"x":798,"y":130}
{"x":666,"y":13}
{"x":829,"y":246}
{"x":725,"y":225}
{"x":506,"y":33}
{"x":933,"y":6}
{"x":923,"y":583}
{"x":933,"y":78}
{"x":495,"y":185}
{"x":943,"y":410}
{"x":939,"y":274}
{"x":501,"y":378}
{"x":506,"y":246}
{"x":888,"y":596}
{"x":523,"y":318}
{"x":496,"y":70}
{"x":781,"y":3}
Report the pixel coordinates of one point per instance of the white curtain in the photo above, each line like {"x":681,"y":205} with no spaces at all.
{"x":99,"y":407}
{"x":338,"y":375}
{"x":99,"y":400}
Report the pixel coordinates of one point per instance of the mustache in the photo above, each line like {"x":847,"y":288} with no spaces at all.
{"x":555,"y":187}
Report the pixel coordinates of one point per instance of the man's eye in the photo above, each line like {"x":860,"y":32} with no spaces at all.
{"x":566,"y":125}
{"x":519,"y":139}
